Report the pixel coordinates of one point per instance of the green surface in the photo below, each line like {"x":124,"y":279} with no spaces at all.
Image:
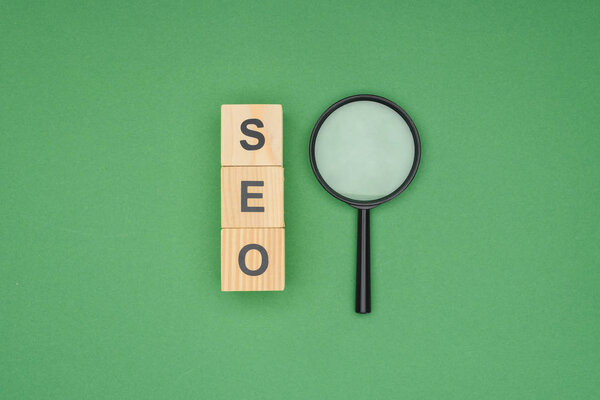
{"x":486,"y":276}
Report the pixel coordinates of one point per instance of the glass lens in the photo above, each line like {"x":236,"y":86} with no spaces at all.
{"x":364,"y":150}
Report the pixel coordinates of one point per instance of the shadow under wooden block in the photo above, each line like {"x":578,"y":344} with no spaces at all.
{"x":252,"y":197}
{"x":252,"y":259}
{"x":251,"y":134}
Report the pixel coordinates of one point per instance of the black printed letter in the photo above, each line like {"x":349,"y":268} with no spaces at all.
{"x":246,"y":196}
{"x":254,"y":134}
{"x":264,"y":263}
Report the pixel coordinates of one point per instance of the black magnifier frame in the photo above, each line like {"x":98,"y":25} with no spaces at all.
{"x":363,"y":273}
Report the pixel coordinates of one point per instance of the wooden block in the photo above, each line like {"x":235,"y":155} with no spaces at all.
{"x":251,"y":134}
{"x":252,"y":197}
{"x":252,"y":259}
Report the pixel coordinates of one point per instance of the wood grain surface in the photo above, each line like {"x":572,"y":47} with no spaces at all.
{"x":232,"y":215}
{"x":232,"y":117}
{"x":233,"y":241}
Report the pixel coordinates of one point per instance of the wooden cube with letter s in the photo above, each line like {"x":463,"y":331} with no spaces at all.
{"x":251,"y":135}
{"x":252,"y":225}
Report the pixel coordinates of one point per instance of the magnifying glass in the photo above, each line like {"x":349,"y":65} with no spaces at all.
{"x":364,"y":150}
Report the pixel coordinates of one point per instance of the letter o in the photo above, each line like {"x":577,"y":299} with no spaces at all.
{"x":264,"y":259}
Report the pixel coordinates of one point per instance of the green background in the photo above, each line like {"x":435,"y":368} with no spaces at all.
{"x":486,"y":276}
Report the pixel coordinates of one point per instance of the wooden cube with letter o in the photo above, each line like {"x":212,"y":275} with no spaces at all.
{"x":252,"y":259}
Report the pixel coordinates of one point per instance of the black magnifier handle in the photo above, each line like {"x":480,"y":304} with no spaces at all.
{"x":363,"y":264}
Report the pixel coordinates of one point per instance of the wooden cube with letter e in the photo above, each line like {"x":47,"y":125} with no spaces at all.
{"x":252,"y":234}
{"x":252,"y":197}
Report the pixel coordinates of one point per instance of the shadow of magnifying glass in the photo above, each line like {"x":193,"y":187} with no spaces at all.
{"x":364,"y":150}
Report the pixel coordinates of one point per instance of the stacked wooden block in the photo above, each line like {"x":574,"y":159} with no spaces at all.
{"x":252,"y":228}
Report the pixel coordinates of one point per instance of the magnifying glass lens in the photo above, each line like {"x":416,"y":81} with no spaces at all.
{"x":364,"y":150}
